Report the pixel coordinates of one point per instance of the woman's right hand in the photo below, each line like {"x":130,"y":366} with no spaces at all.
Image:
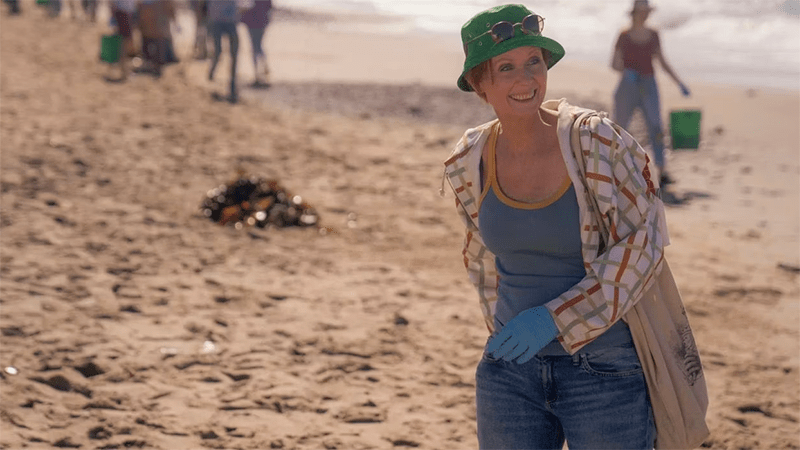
{"x":523,"y":336}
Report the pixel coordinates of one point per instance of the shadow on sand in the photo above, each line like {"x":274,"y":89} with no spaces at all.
{"x":673,"y":198}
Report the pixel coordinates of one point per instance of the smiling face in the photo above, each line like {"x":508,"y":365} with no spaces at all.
{"x":518,"y":82}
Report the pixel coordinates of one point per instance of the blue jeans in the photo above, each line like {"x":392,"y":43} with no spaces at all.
{"x":640,"y":91}
{"x":218,"y":29}
{"x":594,"y":400}
{"x":55,"y":7}
{"x":256,"y":38}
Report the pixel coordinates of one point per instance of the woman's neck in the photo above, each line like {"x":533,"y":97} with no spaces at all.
{"x":526,"y":134}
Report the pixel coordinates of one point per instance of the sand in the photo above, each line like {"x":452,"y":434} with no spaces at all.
{"x":130,"y":321}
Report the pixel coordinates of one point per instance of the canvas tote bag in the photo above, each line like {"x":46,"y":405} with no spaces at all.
{"x":665,"y":345}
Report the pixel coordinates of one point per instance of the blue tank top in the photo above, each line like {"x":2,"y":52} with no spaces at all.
{"x":537,"y":248}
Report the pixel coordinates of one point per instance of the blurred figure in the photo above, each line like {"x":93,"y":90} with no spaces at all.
{"x":200,"y":9}
{"x":223,"y":16}
{"x":72,"y":5}
{"x":54,"y":8}
{"x":123,"y":11}
{"x":634,"y":52}
{"x":257,"y":18}
{"x":155,"y":17}
{"x":90,"y":9}
{"x":172,"y":57}
{"x":13,"y":6}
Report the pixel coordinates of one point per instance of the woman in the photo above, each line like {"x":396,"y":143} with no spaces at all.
{"x":155,"y":18}
{"x":257,"y":18}
{"x":559,"y":364}
{"x":123,"y":11}
{"x":634,"y":52}
{"x":200,"y":9}
{"x":223,"y":16}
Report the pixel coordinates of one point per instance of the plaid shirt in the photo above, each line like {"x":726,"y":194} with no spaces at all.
{"x":618,"y":177}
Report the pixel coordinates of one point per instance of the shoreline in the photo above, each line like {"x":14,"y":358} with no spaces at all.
{"x":349,"y":21}
{"x":446,"y":56}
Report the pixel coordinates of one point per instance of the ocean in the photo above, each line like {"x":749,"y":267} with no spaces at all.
{"x":753,"y":43}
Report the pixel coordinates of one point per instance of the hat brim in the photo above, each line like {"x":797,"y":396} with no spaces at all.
{"x":556,"y":53}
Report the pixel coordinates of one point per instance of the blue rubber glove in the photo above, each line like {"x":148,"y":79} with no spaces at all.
{"x":685,"y":90}
{"x":523,"y":336}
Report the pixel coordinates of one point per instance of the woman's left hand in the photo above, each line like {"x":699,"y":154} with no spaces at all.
{"x":523,"y":336}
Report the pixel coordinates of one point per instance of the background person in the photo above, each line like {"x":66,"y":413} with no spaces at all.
{"x":200,"y":9}
{"x":257,"y":18}
{"x":90,"y":9}
{"x":54,"y":8}
{"x":123,"y":11}
{"x":13,"y":7}
{"x":223,"y":16}
{"x":559,"y":364}
{"x":155,"y":18}
{"x":633,"y":56}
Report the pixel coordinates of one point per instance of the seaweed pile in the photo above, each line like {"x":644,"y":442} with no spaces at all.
{"x":254,"y":201}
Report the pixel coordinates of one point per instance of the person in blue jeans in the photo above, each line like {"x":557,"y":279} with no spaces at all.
{"x":223,"y":16}
{"x":200,"y":9}
{"x":13,"y":7}
{"x":633,"y":56}
{"x":559,"y":365}
{"x":257,"y":18}
{"x":54,"y":8}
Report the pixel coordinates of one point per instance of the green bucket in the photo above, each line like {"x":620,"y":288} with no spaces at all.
{"x":110,"y":48}
{"x":684,"y":126}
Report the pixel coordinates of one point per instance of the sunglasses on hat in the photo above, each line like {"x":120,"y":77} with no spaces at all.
{"x":503,"y":31}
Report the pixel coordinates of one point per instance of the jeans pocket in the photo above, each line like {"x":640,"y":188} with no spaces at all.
{"x":612,"y":362}
{"x":487,"y":356}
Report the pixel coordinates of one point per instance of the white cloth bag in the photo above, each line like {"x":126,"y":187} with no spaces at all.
{"x":665,"y":345}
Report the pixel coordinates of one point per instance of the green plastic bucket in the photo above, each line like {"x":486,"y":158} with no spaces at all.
{"x":684,"y":126}
{"x":110,"y":48}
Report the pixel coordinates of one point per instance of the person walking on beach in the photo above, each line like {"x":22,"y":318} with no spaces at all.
{"x":634,"y":51}
{"x":13,"y":7}
{"x":223,"y":16}
{"x":155,"y":18}
{"x":123,"y":11}
{"x":200,"y":9}
{"x":559,"y":363}
{"x":54,"y":8}
{"x":257,"y":18}
{"x":90,"y":9}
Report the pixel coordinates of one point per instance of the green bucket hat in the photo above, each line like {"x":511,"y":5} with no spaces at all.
{"x":479,"y":46}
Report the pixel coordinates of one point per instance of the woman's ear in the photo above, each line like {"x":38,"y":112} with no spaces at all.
{"x":476,"y":88}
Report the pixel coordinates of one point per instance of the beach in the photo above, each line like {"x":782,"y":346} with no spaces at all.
{"x":130,"y":320}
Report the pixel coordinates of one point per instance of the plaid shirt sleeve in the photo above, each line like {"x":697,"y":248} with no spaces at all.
{"x":481,"y":269}
{"x":478,"y":260}
{"x":618,"y":178}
